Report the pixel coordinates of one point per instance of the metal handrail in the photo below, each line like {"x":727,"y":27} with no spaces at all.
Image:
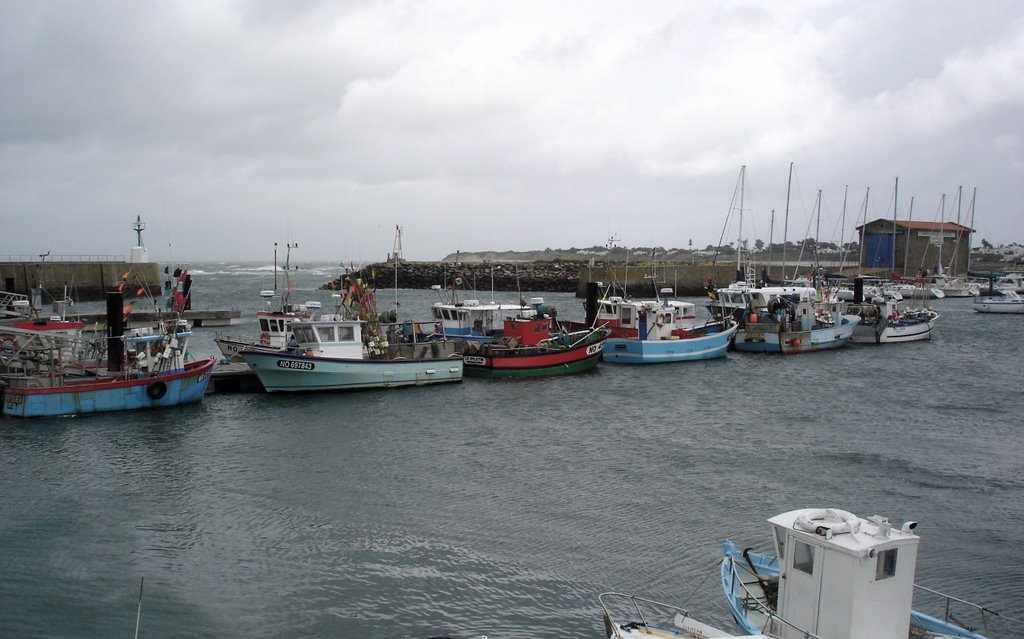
{"x":760,"y":605}
{"x":633,"y":599}
{"x":17,"y":259}
{"x":982,"y":610}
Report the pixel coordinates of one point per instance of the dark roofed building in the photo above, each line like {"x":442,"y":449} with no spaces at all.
{"x":909,"y":247}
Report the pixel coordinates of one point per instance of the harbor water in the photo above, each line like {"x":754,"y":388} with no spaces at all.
{"x":504,"y":507}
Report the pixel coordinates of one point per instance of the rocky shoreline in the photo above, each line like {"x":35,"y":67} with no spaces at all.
{"x":552,"y":276}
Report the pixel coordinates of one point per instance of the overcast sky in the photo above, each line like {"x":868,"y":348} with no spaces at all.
{"x":498,"y":125}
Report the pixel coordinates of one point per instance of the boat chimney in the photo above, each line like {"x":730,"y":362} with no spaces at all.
{"x":115,"y":330}
{"x":858,"y":290}
{"x":591,"y":304}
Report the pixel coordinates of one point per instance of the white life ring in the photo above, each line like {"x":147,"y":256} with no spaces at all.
{"x":827,"y":522}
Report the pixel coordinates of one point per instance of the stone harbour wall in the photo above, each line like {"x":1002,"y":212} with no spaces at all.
{"x":545,"y":276}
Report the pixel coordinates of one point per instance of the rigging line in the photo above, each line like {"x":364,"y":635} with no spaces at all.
{"x":728,"y":215}
{"x":714,"y":566}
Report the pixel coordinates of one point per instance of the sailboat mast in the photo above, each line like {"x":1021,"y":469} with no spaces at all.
{"x":906,"y":249}
{"x":842,"y":227}
{"x":771,"y":232}
{"x":863,"y":229}
{"x":817,"y":231}
{"x":739,"y":239}
{"x":895,"y":198}
{"x":956,"y":243}
{"x":785,"y":223}
{"x":970,"y":209}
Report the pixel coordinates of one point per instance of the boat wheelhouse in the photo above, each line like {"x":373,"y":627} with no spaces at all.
{"x":834,"y":575}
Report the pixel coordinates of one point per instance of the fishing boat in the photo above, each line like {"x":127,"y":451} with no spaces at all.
{"x":274,"y":322}
{"x":884,"y":321}
{"x":473,"y":320}
{"x":660,"y":330}
{"x":532,"y":347}
{"x":274,"y":325}
{"x":145,"y":369}
{"x":996,"y":300}
{"x":351,"y":350}
{"x":837,"y":576}
{"x":787,"y":319}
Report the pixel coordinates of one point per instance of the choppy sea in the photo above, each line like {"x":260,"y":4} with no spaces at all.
{"x":504,"y":507}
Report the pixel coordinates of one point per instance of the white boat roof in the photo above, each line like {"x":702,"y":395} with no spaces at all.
{"x":875,"y":531}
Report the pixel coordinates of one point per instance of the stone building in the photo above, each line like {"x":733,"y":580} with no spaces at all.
{"x":909,"y":247}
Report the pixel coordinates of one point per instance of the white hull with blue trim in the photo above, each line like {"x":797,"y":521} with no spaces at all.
{"x":999,"y":301}
{"x":713,"y":344}
{"x":283,"y":372}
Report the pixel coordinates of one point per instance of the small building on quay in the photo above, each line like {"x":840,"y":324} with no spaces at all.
{"x":911,"y":248}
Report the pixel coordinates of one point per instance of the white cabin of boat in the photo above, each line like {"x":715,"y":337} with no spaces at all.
{"x":647,"y":319}
{"x":844,"y":577}
{"x":275,"y":325}
{"x":483,"y":319}
{"x":329,"y":336}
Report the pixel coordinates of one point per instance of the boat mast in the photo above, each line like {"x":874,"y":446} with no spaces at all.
{"x":817,"y":232}
{"x":906,"y":250}
{"x":895,"y":198}
{"x":956,"y":243}
{"x":842,"y":228}
{"x":397,"y":255}
{"x":785,"y":223}
{"x":287,"y":272}
{"x":739,"y":238}
{"x":970,"y":210}
{"x":863,"y":229}
{"x":771,"y":233}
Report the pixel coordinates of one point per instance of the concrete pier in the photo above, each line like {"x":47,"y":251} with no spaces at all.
{"x":86,"y":279}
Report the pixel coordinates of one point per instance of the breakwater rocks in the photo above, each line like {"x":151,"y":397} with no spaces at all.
{"x":554,"y":276}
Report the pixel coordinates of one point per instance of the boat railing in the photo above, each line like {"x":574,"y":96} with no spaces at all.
{"x":412,"y":332}
{"x":759,"y":603}
{"x":8,"y":308}
{"x":613,"y":628}
{"x":979,"y":611}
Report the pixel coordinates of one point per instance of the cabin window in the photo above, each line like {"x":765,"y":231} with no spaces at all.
{"x":326,"y":333}
{"x":264,"y":325}
{"x":303,"y":334}
{"x":803,"y":557}
{"x":346,"y":334}
{"x":885,"y":565}
{"x":626,"y":317}
{"x":780,"y":542}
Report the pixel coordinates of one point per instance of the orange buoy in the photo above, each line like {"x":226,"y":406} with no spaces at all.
{"x":752,"y":319}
